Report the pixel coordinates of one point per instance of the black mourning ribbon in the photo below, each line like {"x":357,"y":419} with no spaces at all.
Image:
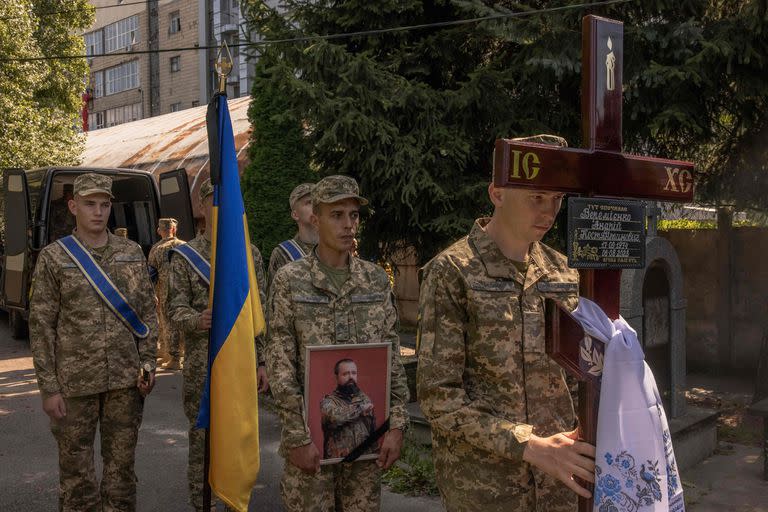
{"x":370,"y":440}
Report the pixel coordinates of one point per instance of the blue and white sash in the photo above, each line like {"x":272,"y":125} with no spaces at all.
{"x":292,"y":249}
{"x":103,"y":286}
{"x":196,"y":260}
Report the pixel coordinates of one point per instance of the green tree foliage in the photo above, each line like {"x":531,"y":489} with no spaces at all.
{"x":413,"y":114}
{"x":40,"y":100}
{"x":278,"y":158}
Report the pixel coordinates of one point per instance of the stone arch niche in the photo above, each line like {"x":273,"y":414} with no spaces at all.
{"x":652,"y":302}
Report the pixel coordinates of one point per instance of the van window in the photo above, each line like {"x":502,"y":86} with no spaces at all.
{"x":134,"y":208}
{"x":34,"y":184}
{"x":61,"y":222}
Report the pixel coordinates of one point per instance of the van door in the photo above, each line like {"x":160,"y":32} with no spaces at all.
{"x":175,"y":202}
{"x":16,"y":254}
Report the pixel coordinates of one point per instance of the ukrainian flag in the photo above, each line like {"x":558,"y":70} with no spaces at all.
{"x":229,"y":407}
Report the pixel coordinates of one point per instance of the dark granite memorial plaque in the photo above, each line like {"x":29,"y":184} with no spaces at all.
{"x":605,"y":233}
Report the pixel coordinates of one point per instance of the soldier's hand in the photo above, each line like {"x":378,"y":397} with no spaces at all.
{"x":54,"y":406}
{"x":306,"y":458}
{"x":204,"y":322}
{"x":145,"y":388}
{"x":261,"y":373}
{"x":390,"y":448}
{"x":367,"y":409}
{"x":564,"y":457}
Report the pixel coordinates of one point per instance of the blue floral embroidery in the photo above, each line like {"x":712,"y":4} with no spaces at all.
{"x":673,"y":483}
{"x":642,"y":483}
{"x":641,"y":486}
{"x":610,"y":485}
{"x":608,"y":506}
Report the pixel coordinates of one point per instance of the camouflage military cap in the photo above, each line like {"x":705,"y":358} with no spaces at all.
{"x":92,"y":183}
{"x":543,"y":138}
{"x":123,"y":232}
{"x":167,"y":223}
{"x":299,"y":192}
{"x":206,"y":189}
{"x":335,"y":188}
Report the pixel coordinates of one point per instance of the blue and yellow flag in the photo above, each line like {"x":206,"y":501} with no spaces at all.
{"x":229,"y":407}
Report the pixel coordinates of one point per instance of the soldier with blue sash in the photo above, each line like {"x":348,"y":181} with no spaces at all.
{"x":189,"y":311}
{"x":93,"y":329}
{"x":305,"y":239}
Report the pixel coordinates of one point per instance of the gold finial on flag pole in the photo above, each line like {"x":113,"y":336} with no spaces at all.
{"x":223,"y":66}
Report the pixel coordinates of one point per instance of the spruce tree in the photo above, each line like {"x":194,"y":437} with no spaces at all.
{"x":278,"y":162}
{"x":413,"y":114}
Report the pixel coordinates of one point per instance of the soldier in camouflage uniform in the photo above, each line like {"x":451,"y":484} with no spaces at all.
{"x":330,"y":297}
{"x":300,"y":202}
{"x":87,"y":361}
{"x":501,"y":413}
{"x":168,"y":338}
{"x":188,"y":311}
{"x":347,"y":414}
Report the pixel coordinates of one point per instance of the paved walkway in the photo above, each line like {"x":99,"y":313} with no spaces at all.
{"x":729,"y":481}
{"x":28,"y":461}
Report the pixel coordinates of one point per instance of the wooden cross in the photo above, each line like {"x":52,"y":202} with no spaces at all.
{"x":599,"y":169}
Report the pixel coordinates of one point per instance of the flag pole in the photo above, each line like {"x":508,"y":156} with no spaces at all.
{"x":223,"y":67}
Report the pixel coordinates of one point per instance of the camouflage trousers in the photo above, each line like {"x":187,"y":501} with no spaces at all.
{"x":169,"y":339}
{"x":343,"y":487}
{"x":118,"y":416}
{"x":472,"y":480}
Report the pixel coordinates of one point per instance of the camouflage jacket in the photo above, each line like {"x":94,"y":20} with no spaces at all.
{"x":345,"y":427}
{"x":279,"y":258}
{"x":79,"y":346}
{"x":305,"y":309}
{"x":188,"y":297}
{"x":158,"y":258}
{"x":484,"y":378}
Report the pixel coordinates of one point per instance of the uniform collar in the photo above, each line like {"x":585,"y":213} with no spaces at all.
{"x":499,"y":266}
{"x":202,"y":245}
{"x":320,"y":279}
{"x":104,"y":251}
{"x":305,"y":246}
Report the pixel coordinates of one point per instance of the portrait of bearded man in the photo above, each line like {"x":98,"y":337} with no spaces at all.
{"x":348,"y":417}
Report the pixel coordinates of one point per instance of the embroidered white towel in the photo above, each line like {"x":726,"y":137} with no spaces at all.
{"x":635,"y":468}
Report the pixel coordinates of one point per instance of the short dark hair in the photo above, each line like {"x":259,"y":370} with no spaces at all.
{"x":339,"y":363}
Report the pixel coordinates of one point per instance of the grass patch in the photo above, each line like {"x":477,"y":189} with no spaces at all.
{"x":414,"y":473}
{"x":740,"y":433}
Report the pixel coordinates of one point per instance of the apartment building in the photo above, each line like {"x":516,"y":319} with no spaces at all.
{"x":133,"y":75}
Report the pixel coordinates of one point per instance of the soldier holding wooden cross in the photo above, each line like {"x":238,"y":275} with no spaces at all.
{"x":490,"y":379}
{"x":501,"y":413}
